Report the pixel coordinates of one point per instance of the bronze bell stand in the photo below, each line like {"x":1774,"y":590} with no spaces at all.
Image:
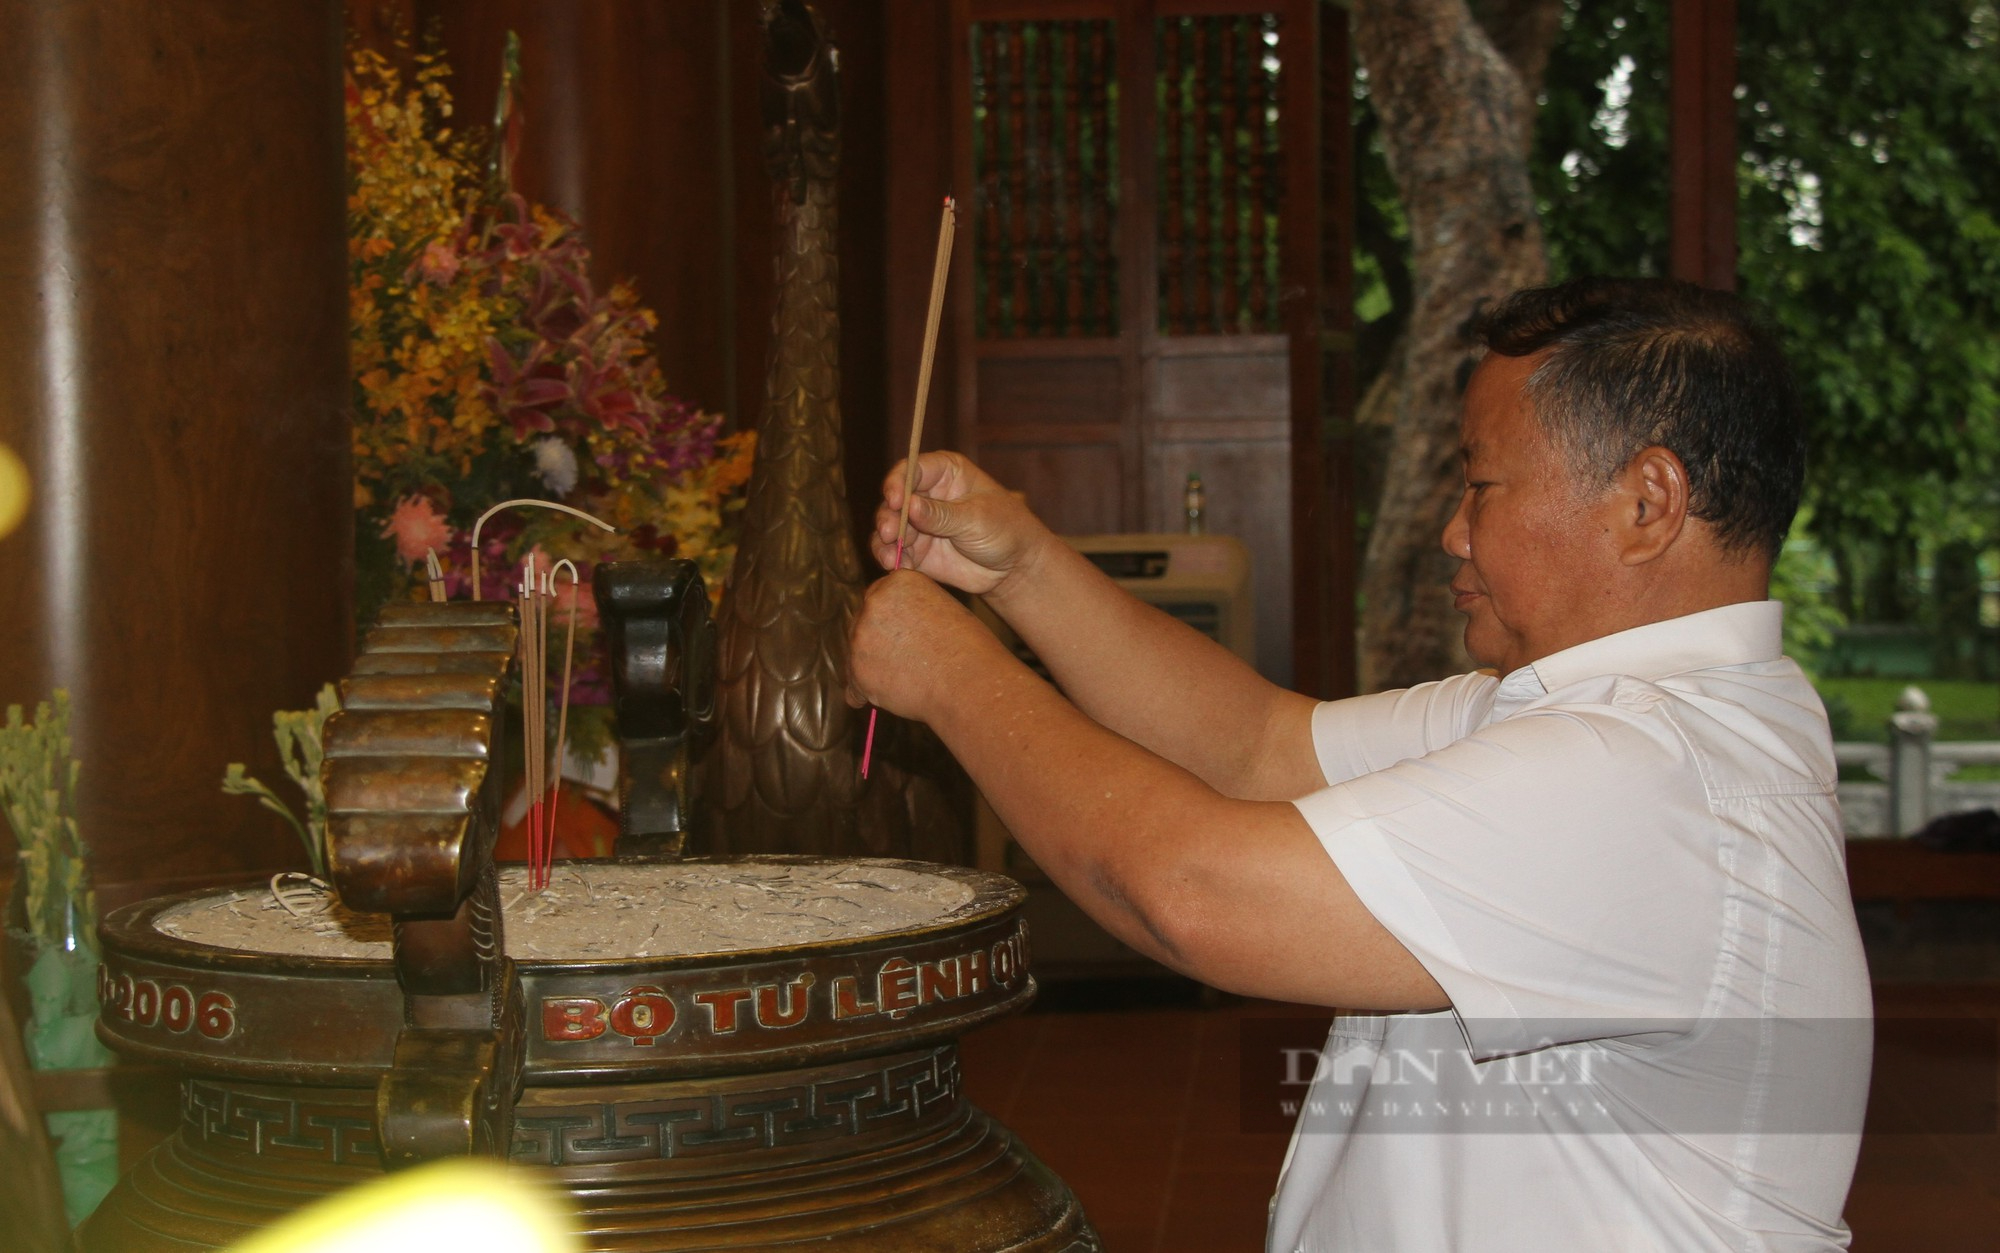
{"x":743,"y":1099}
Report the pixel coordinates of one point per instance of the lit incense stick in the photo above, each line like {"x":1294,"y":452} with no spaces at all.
{"x":940,"y":268}
{"x":562,"y":717}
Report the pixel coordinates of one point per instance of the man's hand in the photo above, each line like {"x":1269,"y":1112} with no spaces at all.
{"x":966,"y":530}
{"x":1125,"y":665}
{"x":1229,"y":891}
{"x":912,"y":644}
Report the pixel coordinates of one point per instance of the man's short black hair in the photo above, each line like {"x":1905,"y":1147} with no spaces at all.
{"x":1637,"y":362}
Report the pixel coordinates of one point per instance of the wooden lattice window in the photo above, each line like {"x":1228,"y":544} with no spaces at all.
{"x":1045,"y":161}
{"x":1221,"y":174}
{"x":1147,"y":286}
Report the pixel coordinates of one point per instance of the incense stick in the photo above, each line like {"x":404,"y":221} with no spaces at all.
{"x":532,"y":651}
{"x":543,"y":763}
{"x":534,"y":695}
{"x":524,"y":653}
{"x":434,"y":574}
{"x":526,"y":501}
{"x":940,"y":269}
{"x":562,"y":717}
{"x":542,"y":732}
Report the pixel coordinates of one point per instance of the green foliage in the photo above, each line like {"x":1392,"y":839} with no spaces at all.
{"x":1382,"y":279}
{"x":1870,"y":181}
{"x":1599,"y":157}
{"x":1966,"y":710}
{"x":1883,"y":123}
{"x":1798,"y":581}
{"x":299,"y":735}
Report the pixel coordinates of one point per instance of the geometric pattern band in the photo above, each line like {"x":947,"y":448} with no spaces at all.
{"x":892,"y":1096}
{"x":882,"y":1098}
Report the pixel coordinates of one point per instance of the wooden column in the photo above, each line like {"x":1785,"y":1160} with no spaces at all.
{"x":1327,"y":659}
{"x":1703,"y":143}
{"x":1315,"y":531}
{"x":173,"y":370}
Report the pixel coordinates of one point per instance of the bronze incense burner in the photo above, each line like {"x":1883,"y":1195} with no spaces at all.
{"x":779,"y":1073}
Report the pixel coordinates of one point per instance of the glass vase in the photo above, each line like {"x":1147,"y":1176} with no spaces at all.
{"x":59,"y":974}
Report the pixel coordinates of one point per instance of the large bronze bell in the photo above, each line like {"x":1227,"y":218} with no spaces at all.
{"x":729,"y":1091}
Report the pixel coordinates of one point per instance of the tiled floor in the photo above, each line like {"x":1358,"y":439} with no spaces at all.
{"x":1138,"y":1110}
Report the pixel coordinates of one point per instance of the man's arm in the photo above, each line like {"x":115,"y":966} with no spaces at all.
{"x":1139,"y":672}
{"x":1363,"y":734}
{"x":1237,"y":893}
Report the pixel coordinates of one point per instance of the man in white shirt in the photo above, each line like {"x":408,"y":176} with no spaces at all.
{"x":1599,"y":900}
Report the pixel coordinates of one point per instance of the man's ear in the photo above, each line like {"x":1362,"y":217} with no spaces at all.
{"x":1655,"y":486}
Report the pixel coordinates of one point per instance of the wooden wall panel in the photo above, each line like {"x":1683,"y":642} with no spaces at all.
{"x":1240,"y":476}
{"x":753,"y":217}
{"x":1079,"y":390}
{"x":917,"y":175}
{"x":1238,"y":375}
{"x":1074,"y":487}
{"x":859,"y":29}
{"x":173,"y":369}
{"x":1221,"y":408}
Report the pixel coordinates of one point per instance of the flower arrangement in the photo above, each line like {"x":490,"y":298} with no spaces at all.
{"x":487,"y":367}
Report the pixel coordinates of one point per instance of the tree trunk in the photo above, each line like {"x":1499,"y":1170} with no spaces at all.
{"x":1456,"y":116}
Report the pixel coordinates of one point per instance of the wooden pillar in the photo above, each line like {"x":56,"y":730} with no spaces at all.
{"x":1703,"y":143}
{"x":1340,"y":558}
{"x":173,"y":370}
{"x":1322,"y":541}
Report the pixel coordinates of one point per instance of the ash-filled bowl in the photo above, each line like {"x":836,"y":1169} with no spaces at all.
{"x":595,"y":911}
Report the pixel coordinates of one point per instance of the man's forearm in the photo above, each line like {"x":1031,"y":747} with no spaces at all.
{"x":1158,"y":682}
{"x":1230,"y":891}
{"x":1096,"y":811}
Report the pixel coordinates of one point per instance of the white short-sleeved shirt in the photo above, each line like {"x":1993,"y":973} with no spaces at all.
{"x":1623,"y":864}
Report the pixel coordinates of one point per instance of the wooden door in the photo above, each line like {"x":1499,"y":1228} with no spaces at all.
{"x":1139,"y":296}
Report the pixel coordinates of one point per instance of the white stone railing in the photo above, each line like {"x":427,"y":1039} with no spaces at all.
{"x":1913,"y":774}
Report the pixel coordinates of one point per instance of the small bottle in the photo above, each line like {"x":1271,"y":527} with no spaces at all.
{"x":1197,"y":504}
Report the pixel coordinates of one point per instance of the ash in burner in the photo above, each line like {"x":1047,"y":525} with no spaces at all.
{"x":596,"y":911}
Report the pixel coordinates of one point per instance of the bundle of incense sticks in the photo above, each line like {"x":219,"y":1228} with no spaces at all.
{"x":534,"y":710}
{"x":536,"y":590}
{"x":543,"y":762}
{"x":940,"y":270}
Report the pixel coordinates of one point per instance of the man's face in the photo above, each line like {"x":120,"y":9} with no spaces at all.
{"x":1533,"y":544}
